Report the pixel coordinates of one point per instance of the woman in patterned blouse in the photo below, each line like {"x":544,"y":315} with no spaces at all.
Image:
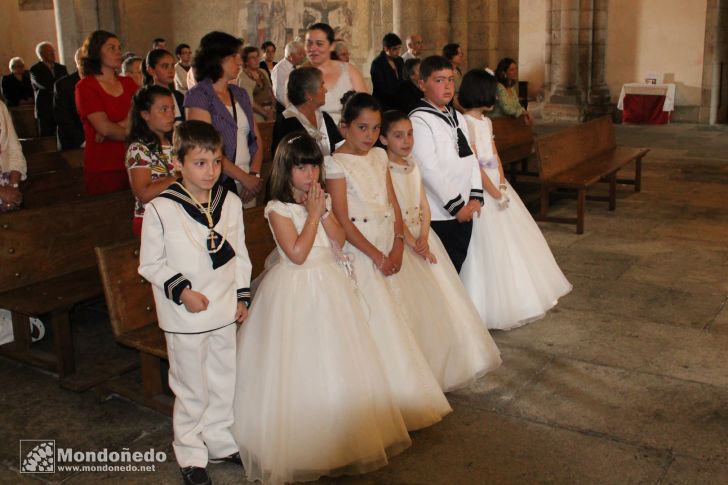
{"x":507,"y":103}
{"x":149,"y":156}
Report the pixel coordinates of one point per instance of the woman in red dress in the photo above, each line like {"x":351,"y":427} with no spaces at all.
{"x":103,"y":100}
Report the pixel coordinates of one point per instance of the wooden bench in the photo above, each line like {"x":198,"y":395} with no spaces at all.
{"x":48,"y":266}
{"x":515,"y":143}
{"x":53,"y":178}
{"x":581,"y":156}
{"x":53,"y":188}
{"x":24,"y":121}
{"x":45,"y":162}
{"x":133,"y":317}
{"x":266,"y":133}
{"x":39,"y":145}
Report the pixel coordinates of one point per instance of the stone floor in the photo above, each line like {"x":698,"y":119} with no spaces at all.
{"x":625,"y":382}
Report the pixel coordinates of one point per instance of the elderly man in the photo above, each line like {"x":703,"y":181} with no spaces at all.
{"x":414,"y":47}
{"x":43,"y":75}
{"x":294,"y":54}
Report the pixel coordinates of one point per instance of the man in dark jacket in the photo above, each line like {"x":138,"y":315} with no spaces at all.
{"x":70,"y":129}
{"x":42,"y":76}
{"x":386,"y":71}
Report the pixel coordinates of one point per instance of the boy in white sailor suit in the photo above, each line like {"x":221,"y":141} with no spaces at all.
{"x":193,"y":253}
{"x":450,"y":170}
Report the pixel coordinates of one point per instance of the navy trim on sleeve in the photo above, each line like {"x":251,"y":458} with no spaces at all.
{"x":477,"y":194}
{"x":244,"y":296}
{"x":174,"y":287}
{"x":454,"y":205}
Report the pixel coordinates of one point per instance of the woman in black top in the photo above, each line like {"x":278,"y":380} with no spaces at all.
{"x":269,"y":52}
{"x":16,"y":86}
{"x":409,"y":93}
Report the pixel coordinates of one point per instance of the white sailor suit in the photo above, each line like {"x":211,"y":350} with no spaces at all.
{"x":450,"y":173}
{"x":178,"y":250}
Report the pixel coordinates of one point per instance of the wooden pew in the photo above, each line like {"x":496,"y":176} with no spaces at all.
{"x":73,"y":157}
{"x":53,"y":178}
{"x":24,"y":121}
{"x":45,"y":162}
{"x":515,"y":143}
{"x":580,"y":156}
{"x":266,"y":133}
{"x":132,"y":312}
{"x":39,"y":145}
{"x":53,"y":188}
{"x":48,"y":266}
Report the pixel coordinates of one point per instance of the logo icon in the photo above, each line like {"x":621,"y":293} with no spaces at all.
{"x":37,"y":456}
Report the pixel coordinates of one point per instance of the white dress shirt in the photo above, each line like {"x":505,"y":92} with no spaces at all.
{"x":279,"y":79}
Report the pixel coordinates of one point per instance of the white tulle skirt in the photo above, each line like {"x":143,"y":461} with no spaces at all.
{"x":510,"y":273}
{"x":312,"y":395}
{"x":442,"y":318}
{"x":415,"y":388}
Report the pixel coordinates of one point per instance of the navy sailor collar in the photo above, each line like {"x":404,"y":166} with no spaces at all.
{"x":451,"y":118}
{"x":178,"y":194}
{"x":219,"y":255}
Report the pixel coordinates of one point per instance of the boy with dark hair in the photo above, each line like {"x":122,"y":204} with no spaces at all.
{"x":386,"y":72}
{"x":450,"y":171}
{"x":193,"y":253}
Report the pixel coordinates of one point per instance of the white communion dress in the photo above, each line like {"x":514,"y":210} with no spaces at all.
{"x":416,"y":390}
{"x":510,"y":273}
{"x":312,"y":395}
{"x":442,"y":317}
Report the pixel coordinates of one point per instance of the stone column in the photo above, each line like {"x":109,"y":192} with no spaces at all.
{"x":599,"y":96}
{"x":361,"y":38}
{"x":566,"y":96}
{"x":459,"y":29}
{"x":387,"y":16}
{"x":548,"y":49}
{"x":398,"y":19}
{"x":565,"y":52}
{"x":67,"y":32}
{"x":434,"y":24}
{"x":405,"y":21}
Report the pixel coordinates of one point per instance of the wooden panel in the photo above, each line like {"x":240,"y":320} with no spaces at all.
{"x":74,"y":157}
{"x":39,"y":145}
{"x":60,"y":292}
{"x":266,"y":133}
{"x":568,"y":147}
{"x":39,"y":244}
{"x":258,"y":238}
{"x":149,"y":340}
{"x":43,"y":162}
{"x":594,"y":169}
{"x":53,"y":188}
{"x":510,"y":133}
{"x":128,"y":296}
{"x":24,"y":121}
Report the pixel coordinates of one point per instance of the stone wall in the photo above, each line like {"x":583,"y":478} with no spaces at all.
{"x":21,"y":31}
{"x":672,"y":39}
{"x":662,"y":37}
{"x":532,"y":37}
